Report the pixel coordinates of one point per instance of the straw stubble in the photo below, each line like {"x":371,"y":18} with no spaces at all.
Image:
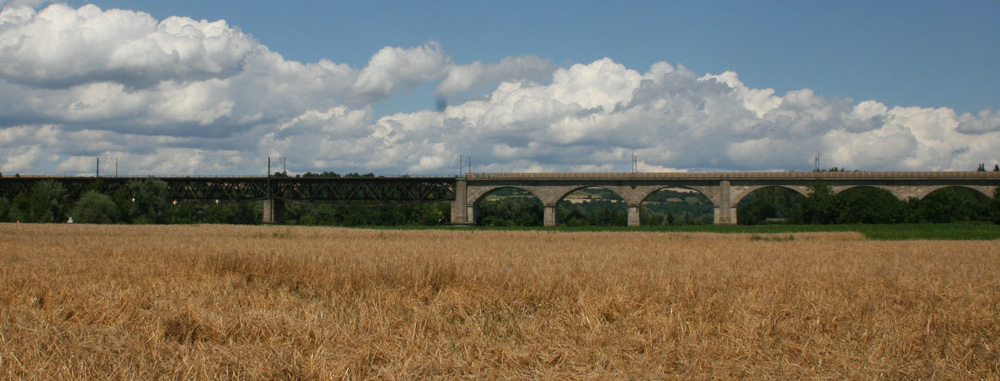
{"x":279,"y":302}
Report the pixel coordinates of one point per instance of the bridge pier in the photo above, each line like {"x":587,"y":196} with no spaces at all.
{"x":274,"y":211}
{"x":461,"y":212}
{"x":549,"y":216}
{"x":726,"y":216}
{"x":725,"y":211}
{"x":633,"y":215}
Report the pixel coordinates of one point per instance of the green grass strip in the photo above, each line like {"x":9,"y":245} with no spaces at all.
{"x":895,"y":232}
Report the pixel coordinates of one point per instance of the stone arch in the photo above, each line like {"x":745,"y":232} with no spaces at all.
{"x":781,"y":208}
{"x":745,"y":191}
{"x":871,"y":204}
{"x":900,"y":192}
{"x":986,"y":190}
{"x":653,"y":189}
{"x":938,"y":206}
{"x":477,"y":195}
{"x":648,"y":191}
{"x":565,"y":191}
{"x":845,"y":188}
{"x":620,"y":192}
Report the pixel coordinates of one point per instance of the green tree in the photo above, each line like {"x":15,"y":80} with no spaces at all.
{"x":5,"y":208}
{"x":820,"y":205}
{"x":648,"y":217}
{"x":995,"y":206}
{"x":508,"y":207}
{"x":677,"y":201}
{"x":19,"y":207}
{"x":123,"y":203}
{"x":602,"y":212}
{"x":433,"y":214}
{"x":306,"y":220}
{"x":149,"y":200}
{"x":45,"y":202}
{"x":954,"y":204}
{"x":322,"y":174}
{"x":180,"y":214}
{"x":96,"y":185}
{"x":686,"y":219}
{"x":911,"y":211}
{"x":866,"y":205}
{"x":95,"y":208}
{"x":770,"y":202}
{"x":248,"y":213}
{"x":219,"y":214}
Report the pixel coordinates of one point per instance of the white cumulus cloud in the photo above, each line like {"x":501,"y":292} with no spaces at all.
{"x":987,"y":121}
{"x":184,"y":96}
{"x":391,"y":68}
{"x":59,"y":47}
{"x":477,"y":75}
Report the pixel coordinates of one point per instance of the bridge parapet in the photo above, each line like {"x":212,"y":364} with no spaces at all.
{"x":732,"y":175}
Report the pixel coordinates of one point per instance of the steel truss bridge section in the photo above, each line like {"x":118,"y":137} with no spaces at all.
{"x":364,"y":190}
{"x":328,"y":190}
{"x":10,"y":186}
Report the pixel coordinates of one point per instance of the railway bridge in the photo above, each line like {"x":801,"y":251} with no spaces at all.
{"x":724,"y":189}
{"x":274,"y":191}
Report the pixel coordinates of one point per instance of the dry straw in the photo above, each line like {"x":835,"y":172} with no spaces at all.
{"x":81,"y":301}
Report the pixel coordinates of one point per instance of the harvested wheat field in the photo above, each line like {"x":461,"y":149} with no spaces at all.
{"x":80,"y":301}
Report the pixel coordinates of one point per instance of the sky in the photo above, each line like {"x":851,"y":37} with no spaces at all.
{"x":215,"y":88}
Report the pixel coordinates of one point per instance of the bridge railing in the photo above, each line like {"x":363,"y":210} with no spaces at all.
{"x":201,"y":177}
{"x":736,"y":175}
{"x":579,"y":175}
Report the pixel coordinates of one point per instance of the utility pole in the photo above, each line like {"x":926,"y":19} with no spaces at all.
{"x":98,"y":167}
{"x":816,"y":160}
{"x":116,"y":163}
{"x":635,"y":163}
{"x":269,"y":204}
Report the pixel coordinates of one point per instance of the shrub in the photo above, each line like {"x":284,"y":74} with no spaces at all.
{"x":95,"y":208}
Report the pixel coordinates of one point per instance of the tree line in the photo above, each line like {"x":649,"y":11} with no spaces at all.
{"x":143,"y":201}
{"x":147,"y":201}
{"x":862,"y":205}
{"x":594,"y":207}
{"x":866,"y":205}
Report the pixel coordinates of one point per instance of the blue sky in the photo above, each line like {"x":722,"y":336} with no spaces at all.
{"x":902,"y":53}
{"x":694,"y":85}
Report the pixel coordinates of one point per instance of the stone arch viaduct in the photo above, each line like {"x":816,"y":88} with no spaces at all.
{"x":724,"y":189}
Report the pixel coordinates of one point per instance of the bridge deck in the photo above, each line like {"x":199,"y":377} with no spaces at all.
{"x":337,"y":190}
{"x":734,"y":175}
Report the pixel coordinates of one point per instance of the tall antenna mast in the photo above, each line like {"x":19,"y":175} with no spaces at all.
{"x":816,"y":160}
